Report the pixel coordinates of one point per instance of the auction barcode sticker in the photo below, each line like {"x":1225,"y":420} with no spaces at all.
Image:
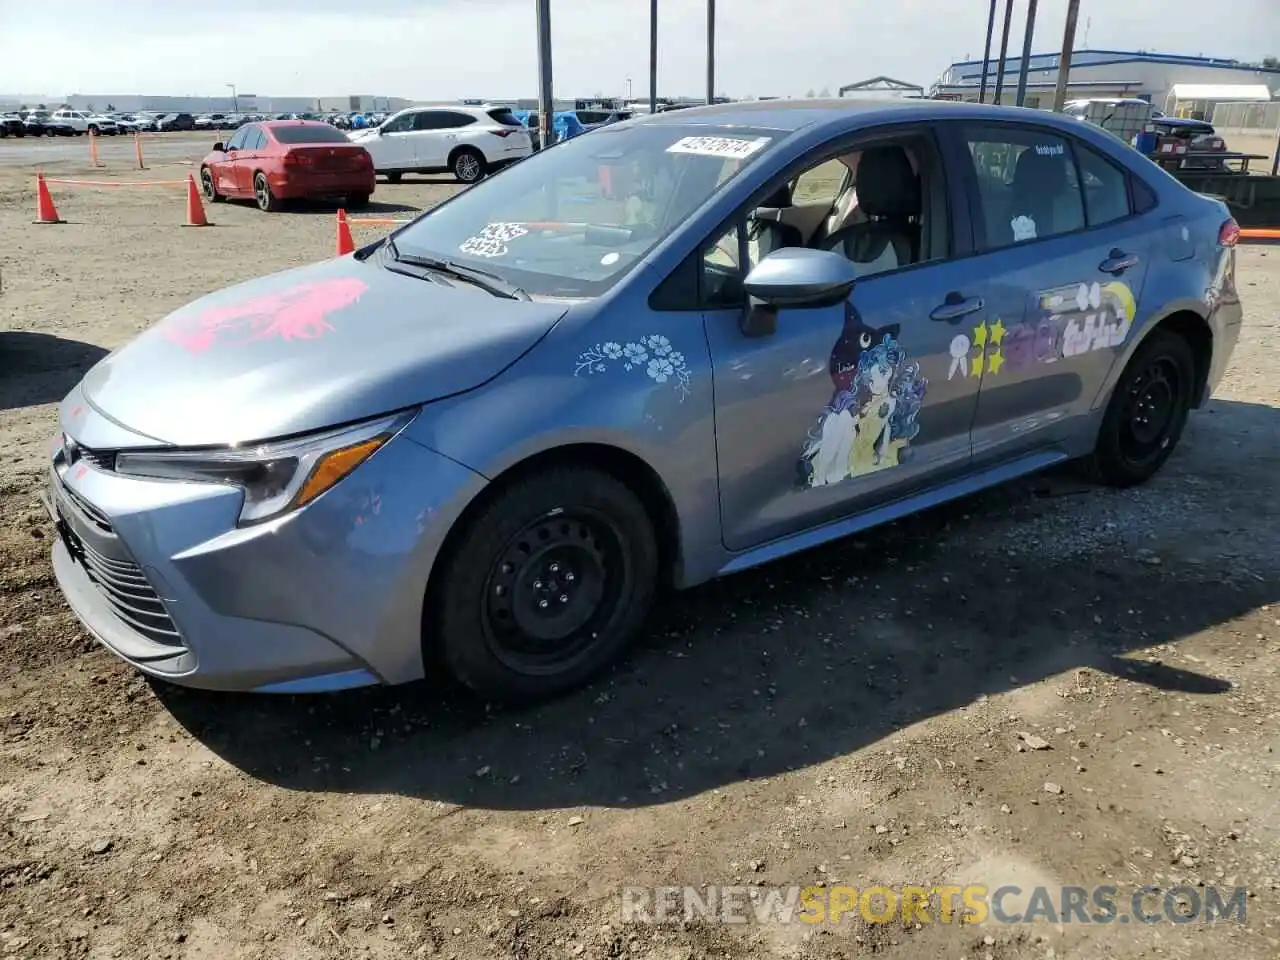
{"x":734,"y":148}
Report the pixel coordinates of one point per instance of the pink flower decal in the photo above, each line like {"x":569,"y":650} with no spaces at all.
{"x":296,"y":313}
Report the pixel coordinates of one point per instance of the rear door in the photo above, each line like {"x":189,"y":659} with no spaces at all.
{"x":250,"y":158}
{"x":1056,"y":223}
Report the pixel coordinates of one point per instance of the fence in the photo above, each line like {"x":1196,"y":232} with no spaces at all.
{"x":1249,"y":128}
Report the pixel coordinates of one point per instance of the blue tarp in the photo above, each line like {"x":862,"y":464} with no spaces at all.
{"x":565,"y":123}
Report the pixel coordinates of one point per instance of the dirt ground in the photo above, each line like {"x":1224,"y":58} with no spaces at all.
{"x":850,"y":716}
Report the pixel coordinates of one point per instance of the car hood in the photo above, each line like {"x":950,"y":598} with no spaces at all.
{"x":310,"y":348}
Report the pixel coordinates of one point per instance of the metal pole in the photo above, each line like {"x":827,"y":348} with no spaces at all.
{"x":1025,"y":65}
{"x":653,"y":56}
{"x":711,"y":51}
{"x":546,"y":106}
{"x":1064,"y":61}
{"x":1004,"y":48}
{"x":986,"y":53}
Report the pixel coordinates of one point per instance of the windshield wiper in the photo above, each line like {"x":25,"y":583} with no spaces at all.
{"x":490,"y":282}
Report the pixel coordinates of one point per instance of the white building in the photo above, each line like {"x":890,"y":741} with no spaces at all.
{"x":1103,"y":73}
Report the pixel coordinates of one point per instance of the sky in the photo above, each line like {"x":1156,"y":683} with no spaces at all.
{"x":446,"y":49}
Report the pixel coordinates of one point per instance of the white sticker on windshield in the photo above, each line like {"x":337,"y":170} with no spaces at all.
{"x":609,"y":259}
{"x":1024,"y":228}
{"x":492,"y":240}
{"x":733,"y":148}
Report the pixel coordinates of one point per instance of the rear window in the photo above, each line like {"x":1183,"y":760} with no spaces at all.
{"x":309,"y":133}
{"x":505,"y":117}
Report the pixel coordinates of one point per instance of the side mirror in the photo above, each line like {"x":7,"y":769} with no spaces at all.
{"x":219,"y":147}
{"x":794,"y":277}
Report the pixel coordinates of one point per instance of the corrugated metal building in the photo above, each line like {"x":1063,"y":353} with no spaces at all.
{"x":1104,"y":73}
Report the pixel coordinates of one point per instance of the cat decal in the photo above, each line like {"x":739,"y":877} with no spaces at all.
{"x":872,"y":417}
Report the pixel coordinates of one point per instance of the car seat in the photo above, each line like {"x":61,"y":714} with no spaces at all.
{"x":888,"y":192}
{"x":765,"y":230}
{"x":1042,"y":192}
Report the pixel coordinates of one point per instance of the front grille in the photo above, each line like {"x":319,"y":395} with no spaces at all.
{"x":121,"y":582}
{"x":88,"y":510}
{"x":102,"y":459}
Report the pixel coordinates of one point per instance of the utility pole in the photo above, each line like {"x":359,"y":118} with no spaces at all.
{"x":1025,"y":65}
{"x":235,"y":102}
{"x":546,"y":105}
{"x":986,"y":53}
{"x":1004,"y":48}
{"x":1064,"y":61}
{"x":653,"y":56}
{"x":711,"y":51}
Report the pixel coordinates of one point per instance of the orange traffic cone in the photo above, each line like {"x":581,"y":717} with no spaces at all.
{"x":45,"y":210}
{"x":137,"y":148}
{"x":195,"y":209}
{"x":93,"y":150}
{"x":345,"y":243}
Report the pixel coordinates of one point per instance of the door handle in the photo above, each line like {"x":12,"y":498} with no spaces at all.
{"x":1118,"y":262}
{"x":956,"y":307}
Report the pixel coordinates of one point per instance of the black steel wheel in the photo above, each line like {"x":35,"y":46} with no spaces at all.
{"x":1147,"y":411}
{"x":545,"y":586}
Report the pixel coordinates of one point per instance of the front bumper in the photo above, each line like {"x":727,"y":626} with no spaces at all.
{"x":325,"y":598}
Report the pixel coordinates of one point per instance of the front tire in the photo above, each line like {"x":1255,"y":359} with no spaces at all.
{"x":206,"y":186}
{"x":267,"y":201}
{"x":394,"y":177}
{"x":547,"y":585}
{"x":1147,"y":412}
{"x":468,"y":165}
{"x":358,"y":201}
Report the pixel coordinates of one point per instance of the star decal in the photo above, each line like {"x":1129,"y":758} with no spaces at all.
{"x":997,"y":332}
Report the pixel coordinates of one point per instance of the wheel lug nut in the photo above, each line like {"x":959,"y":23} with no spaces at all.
{"x":564,"y":598}
{"x":555,"y":568}
{"x":568,"y":577}
{"x":542,"y":604}
{"x":500,"y":591}
{"x":537,"y":584}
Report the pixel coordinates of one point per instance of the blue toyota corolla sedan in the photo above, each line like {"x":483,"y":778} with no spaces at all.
{"x":671,"y":349}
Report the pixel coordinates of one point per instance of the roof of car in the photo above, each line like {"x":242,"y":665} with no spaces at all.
{"x":792,"y":115}
{"x":292,"y":123}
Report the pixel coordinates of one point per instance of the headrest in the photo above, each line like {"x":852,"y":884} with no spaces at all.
{"x":887,"y":186}
{"x":779,"y":198}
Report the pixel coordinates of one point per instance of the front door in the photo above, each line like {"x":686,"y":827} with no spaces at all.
{"x":224,"y":172}
{"x":428,"y":139}
{"x":848,"y":406}
{"x":1060,"y":233}
{"x":392,"y":148}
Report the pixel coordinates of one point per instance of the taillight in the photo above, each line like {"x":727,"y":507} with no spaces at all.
{"x":1229,"y":233}
{"x":504,"y":132}
{"x":297,"y":159}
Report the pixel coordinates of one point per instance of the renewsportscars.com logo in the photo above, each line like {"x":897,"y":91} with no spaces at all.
{"x":975,"y":903}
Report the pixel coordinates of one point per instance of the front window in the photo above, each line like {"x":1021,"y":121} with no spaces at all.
{"x":571,"y":222}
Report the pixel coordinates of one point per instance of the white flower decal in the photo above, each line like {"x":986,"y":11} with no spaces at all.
{"x":492,"y":240}
{"x":651,"y":354}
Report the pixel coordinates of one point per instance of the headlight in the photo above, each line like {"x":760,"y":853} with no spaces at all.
{"x":278,"y":476}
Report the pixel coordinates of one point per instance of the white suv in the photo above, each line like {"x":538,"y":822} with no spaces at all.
{"x":81,"y":121}
{"x":468,"y":141}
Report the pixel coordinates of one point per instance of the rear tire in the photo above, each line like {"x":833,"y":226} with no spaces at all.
{"x":267,"y":201}
{"x":546,"y":585}
{"x":468,"y":165}
{"x":358,"y":201}
{"x":1147,"y":412}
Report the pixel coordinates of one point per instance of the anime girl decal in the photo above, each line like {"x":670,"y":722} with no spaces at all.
{"x":869,"y":425}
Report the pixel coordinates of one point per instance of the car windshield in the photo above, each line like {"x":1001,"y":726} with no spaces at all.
{"x":572,"y":220}
{"x":308,"y":133}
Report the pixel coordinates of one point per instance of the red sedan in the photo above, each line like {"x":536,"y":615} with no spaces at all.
{"x":283,"y":160}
